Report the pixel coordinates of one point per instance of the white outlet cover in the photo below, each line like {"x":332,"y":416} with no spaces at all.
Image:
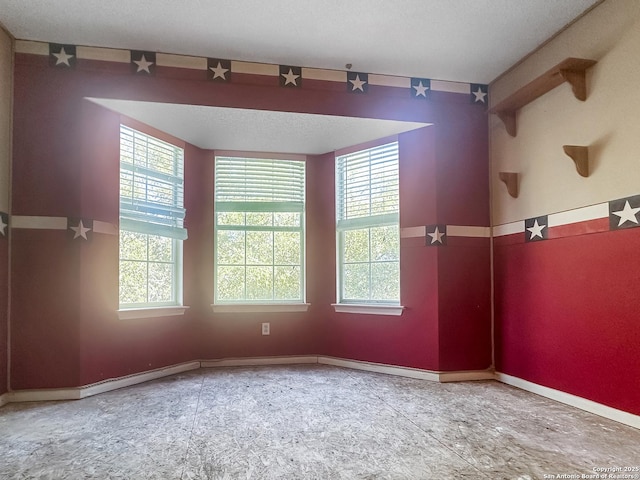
{"x":265,"y":328}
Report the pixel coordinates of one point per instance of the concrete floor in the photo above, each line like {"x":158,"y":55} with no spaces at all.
{"x":308,"y":422}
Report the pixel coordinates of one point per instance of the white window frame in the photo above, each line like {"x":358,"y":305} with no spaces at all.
{"x":221,"y":204}
{"x":355,"y":220}
{"x":145,"y":217}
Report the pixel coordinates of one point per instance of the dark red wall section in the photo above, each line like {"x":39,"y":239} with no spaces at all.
{"x":567,"y":315}
{"x":464,"y":277}
{"x":45,"y":333}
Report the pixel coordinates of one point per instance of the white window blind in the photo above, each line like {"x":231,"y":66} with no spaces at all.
{"x":260,"y":184}
{"x":367,"y":186}
{"x":151,"y":185}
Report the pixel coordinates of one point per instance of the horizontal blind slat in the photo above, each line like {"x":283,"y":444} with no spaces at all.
{"x":151,"y":185}
{"x":367,"y":183}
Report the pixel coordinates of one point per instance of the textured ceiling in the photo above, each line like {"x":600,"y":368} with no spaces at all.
{"x":470,"y":41}
{"x":219,"y":128}
{"x":458,"y":40}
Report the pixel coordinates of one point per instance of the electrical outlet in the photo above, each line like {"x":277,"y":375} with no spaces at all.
{"x":266,"y":328}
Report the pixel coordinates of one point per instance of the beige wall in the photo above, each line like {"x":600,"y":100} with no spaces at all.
{"x":6,"y":68}
{"x":608,"y":122}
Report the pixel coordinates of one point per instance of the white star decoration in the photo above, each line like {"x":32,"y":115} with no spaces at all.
{"x":479,"y":95}
{"x":536,"y":230}
{"x":143,"y":64}
{"x":62,"y":57}
{"x":290,"y":78}
{"x":357,"y":84}
{"x":421,"y":89}
{"x":80,"y":231}
{"x":3,"y":226}
{"x":627,"y":214}
{"x":436,"y":236}
{"x":219,"y":72}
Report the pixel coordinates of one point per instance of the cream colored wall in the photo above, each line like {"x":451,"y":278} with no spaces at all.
{"x":608,"y":122}
{"x":6,"y":69}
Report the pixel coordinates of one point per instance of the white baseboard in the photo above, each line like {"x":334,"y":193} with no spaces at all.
{"x":467,"y":376}
{"x":121,"y":382}
{"x":380,"y":368}
{"x":572,"y":400}
{"x":430,"y":375}
{"x":4,"y":399}
{"x":76,"y":393}
{"x":257,"y":361}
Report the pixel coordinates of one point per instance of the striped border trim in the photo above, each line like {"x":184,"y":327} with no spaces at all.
{"x":452,"y":231}
{"x":575,"y":216}
{"x":38,"y":223}
{"x":34,"y":222}
{"x":252,"y":68}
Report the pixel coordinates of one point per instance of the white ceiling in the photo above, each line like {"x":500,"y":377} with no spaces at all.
{"x":219,"y":128}
{"x":458,"y":40}
{"x":470,"y":41}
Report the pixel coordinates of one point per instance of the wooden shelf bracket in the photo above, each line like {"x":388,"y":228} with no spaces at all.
{"x":580,"y":156}
{"x":570,"y":70}
{"x":510,"y":179}
{"x":578,"y":82}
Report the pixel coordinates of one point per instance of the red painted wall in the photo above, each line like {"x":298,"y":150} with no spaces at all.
{"x":4,"y":325}
{"x":567,"y":315}
{"x":45,"y":333}
{"x":64,"y":293}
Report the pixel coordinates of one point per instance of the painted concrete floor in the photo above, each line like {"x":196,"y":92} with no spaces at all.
{"x":308,"y":422}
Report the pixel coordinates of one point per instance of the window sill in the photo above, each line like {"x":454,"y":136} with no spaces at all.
{"x":368,"y":309}
{"x":260,"y":307}
{"x":151,"y":312}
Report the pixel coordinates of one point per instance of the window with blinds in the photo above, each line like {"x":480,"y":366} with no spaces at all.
{"x":367,"y":203}
{"x":151,"y":185}
{"x":259,"y":230}
{"x":151,"y":220}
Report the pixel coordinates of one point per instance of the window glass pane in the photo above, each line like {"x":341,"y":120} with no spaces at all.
{"x":230,"y":283}
{"x":287,"y":283}
{"x":259,"y":283}
{"x":259,"y":248}
{"x":356,"y":245}
{"x":126,"y":184}
{"x":356,"y":281}
{"x":133,"y":282}
{"x":160,"y":248}
{"x":160,"y":282}
{"x":385,"y":243}
{"x":259,"y":218}
{"x":230,"y":246}
{"x":287,"y":248}
{"x":286,"y":219}
{"x":133,"y":246}
{"x":230,"y":218}
{"x":385,"y":279}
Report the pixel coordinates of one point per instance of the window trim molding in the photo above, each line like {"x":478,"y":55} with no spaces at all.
{"x":369,"y":309}
{"x":259,"y":307}
{"x":152,"y":312}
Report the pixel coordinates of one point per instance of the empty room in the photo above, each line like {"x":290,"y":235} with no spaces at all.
{"x":320,"y":239}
